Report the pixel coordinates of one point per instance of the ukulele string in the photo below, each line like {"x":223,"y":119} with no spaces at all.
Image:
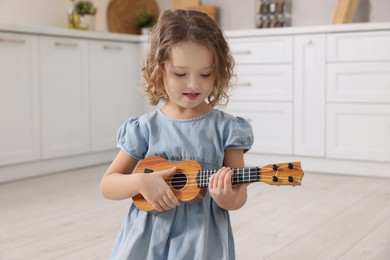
{"x":193,"y":183}
{"x":183,"y":180}
{"x":187,"y":181}
{"x":251,"y":170}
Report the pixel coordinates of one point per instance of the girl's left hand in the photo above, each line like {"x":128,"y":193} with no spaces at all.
{"x":223,"y":192}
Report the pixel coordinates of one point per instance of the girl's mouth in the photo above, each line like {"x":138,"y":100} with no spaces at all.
{"x":191,"y":96}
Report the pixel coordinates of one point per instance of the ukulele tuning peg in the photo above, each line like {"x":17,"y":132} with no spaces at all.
{"x":274,"y":167}
{"x":290,"y":166}
{"x":275,"y":178}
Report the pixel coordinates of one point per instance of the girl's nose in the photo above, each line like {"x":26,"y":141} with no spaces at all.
{"x":192,"y":83}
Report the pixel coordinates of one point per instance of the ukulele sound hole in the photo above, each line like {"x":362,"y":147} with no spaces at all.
{"x":179,"y":181}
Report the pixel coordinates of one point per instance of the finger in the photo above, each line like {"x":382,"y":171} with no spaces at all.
{"x":168,"y":172}
{"x":211,"y":181}
{"x":221,"y":177}
{"x":227,"y":181}
{"x":162,"y":204}
{"x":216,"y":177}
{"x":171,"y":200}
{"x":156,"y":205}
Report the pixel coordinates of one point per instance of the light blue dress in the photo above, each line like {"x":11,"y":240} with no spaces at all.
{"x":189,"y":231}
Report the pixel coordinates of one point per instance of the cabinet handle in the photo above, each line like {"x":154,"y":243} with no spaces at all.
{"x":66,"y":44}
{"x":15,"y":41}
{"x":309,"y":42}
{"x":112,"y":47}
{"x":243,"y":84}
{"x":243,"y":52}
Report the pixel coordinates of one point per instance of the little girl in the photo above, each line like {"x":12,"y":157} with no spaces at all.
{"x":188,"y":68}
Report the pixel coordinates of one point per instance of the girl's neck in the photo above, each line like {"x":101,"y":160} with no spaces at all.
{"x":176,"y":112}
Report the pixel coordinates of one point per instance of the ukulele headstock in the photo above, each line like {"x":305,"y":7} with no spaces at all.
{"x":282,"y":174}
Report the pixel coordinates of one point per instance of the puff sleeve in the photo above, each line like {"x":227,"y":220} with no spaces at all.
{"x":132,"y":139}
{"x":238,"y":134}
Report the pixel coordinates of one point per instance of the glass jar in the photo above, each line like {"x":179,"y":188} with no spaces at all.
{"x":273,"y":13}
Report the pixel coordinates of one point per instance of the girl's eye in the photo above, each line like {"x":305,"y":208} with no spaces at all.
{"x":180,"y":74}
{"x":205,"y":75}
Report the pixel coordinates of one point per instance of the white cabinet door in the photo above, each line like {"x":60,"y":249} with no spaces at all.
{"x":271,"y":123}
{"x":19,"y":97}
{"x":309,"y":95}
{"x":114,"y":90}
{"x":64,"y":102}
{"x":261,"y":49}
{"x":271,"y":82}
{"x":359,"y":132}
{"x":358,"y":82}
{"x":359,"y":46}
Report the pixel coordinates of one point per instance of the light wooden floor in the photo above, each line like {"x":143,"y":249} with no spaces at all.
{"x":63,"y":216}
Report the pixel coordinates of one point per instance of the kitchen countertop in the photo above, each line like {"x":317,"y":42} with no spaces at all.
{"x":337,"y":28}
{"x":64,"y":32}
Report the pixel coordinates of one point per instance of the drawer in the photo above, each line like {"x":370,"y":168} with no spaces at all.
{"x":359,"y":82}
{"x":363,"y":46}
{"x":263,"y":82}
{"x":271,"y":122}
{"x":262,"y":50}
{"x":358,"y":132}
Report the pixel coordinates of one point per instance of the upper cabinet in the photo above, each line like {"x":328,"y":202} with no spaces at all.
{"x":19,"y":98}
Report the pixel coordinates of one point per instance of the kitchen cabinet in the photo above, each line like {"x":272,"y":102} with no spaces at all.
{"x":262,"y":90}
{"x":359,"y":132}
{"x":358,"y":96}
{"x":64,"y":96}
{"x":113,"y":99}
{"x":320,"y":96}
{"x":271,"y":123}
{"x":309,"y":98}
{"x":19,"y":98}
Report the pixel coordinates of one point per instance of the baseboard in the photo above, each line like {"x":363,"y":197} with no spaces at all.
{"x":42,"y":167}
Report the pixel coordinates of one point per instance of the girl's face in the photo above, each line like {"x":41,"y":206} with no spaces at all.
{"x":189,"y":77}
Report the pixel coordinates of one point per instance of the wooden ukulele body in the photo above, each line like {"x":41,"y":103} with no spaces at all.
{"x":183,"y":183}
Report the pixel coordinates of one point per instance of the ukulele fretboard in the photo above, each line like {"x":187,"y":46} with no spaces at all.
{"x":240,"y":175}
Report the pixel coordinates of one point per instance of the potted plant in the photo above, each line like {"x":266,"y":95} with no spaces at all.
{"x":144,"y":21}
{"x":83,"y":15}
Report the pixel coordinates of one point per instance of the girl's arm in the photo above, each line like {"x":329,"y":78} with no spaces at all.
{"x":118,"y":183}
{"x":221,"y":189}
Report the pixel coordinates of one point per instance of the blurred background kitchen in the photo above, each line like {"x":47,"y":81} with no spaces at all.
{"x":313,"y":78}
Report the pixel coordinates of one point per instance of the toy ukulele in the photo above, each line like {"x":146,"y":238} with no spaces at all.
{"x":189,"y":183}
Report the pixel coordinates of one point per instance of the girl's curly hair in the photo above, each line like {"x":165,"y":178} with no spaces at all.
{"x":174,"y":27}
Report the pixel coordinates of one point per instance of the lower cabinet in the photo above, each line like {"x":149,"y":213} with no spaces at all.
{"x":19,"y":99}
{"x":62,"y":101}
{"x":309,"y":98}
{"x":358,"y":132}
{"x":113,"y":97}
{"x":64,"y":96}
{"x":271,"y":122}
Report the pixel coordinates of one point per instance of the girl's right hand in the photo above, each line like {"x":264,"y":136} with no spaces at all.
{"x":157,"y":192}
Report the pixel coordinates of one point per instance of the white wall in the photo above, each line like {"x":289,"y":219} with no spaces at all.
{"x":233,"y":14}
